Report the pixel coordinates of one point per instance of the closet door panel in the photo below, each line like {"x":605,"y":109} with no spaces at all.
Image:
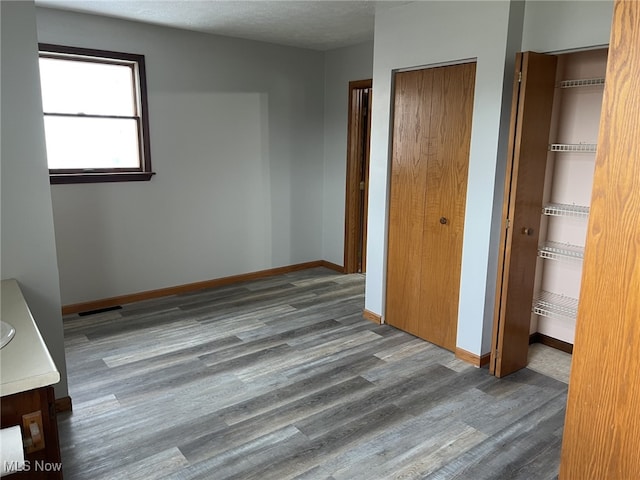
{"x":432,"y":131}
{"x":447,"y":169}
{"x":524,"y":187}
{"x":407,"y":197}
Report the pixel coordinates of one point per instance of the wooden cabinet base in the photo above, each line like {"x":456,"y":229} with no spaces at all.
{"x":45,"y":463}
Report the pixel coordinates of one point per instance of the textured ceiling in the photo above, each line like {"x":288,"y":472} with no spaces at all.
{"x":319,"y":25}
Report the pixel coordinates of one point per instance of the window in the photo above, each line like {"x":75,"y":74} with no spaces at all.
{"x":95,"y":115}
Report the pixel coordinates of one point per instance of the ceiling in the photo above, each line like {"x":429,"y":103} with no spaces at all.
{"x":314,"y":24}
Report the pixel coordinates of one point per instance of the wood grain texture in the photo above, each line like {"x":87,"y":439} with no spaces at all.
{"x":431,"y":139}
{"x":366,"y":160}
{"x":505,"y":250}
{"x":64,"y":404}
{"x":282,"y":378}
{"x":524,"y":187}
{"x":472,"y":358}
{"x":42,"y":399}
{"x":411,"y":126}
{"x":446,"y":185}
{"x":373,"y":317}
{"x":602,"y":433}
{"x":332,"y":266}
{"x":358,"y":136}
{"x":352,"y":194}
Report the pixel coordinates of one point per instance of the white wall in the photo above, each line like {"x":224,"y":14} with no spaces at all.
{"x":27,"y":233}
{"x":427,"y":33}
{"x":560,"y":26}
{"x":553,"y":26}
{"x":514,"y":40}
{"x":341,"y":66}
{"x":236,"y":132}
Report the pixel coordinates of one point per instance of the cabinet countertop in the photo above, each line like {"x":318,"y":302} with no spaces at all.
{"x":25,"y":362}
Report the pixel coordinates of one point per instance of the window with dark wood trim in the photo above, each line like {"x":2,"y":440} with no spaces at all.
{"x":95,"y":115}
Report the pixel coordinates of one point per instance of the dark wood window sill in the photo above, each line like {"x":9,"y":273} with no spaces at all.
{"x":61,"y":178}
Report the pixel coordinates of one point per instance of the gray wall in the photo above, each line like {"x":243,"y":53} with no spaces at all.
{"x":554,"y":26}
{"x":27,"y":234}
{"x":236,"y":133}
{"x":429,"y":33}
{"x":426,"y":33}
{"x":250,"y":165}
{"x":341,"y":66}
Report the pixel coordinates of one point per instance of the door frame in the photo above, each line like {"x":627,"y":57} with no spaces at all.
{"x":355,"y":218}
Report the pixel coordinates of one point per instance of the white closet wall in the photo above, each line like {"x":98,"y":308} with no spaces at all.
{"x":568,"y":184}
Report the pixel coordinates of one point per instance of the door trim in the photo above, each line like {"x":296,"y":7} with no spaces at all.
{"x":436,"y":65}
{"x":355,"y":230}
{"x":475,"y":360}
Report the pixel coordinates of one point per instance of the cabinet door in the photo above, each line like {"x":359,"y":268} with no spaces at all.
{"x":39,"y":400}
{"x":531,"y":109}
{"x":431,"y":141}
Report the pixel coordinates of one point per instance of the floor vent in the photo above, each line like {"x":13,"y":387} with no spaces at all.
{"x":99,"y":310}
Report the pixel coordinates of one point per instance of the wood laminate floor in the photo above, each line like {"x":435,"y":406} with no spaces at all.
{"x":282,"y":378}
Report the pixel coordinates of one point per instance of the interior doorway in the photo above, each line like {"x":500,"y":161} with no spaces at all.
{"x":358,"y":136}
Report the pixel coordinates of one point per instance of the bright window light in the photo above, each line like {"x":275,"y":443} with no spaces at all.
{"x":95,"y":122}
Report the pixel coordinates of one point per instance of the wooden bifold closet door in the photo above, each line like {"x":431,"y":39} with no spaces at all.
{"x":433,"y":110}
{"x":531,"y":110}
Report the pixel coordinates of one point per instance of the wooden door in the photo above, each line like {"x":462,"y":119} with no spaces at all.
{"x":431,"y":138}
{"x":532,"y":103}
{"x":602,"y":428}
{"x":358,"y":137}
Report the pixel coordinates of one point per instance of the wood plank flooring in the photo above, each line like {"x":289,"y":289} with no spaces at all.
{"x":282,"y":378}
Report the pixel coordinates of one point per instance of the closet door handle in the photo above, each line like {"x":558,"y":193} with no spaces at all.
{"x":443,"y":220}
{"x":526,"y":231}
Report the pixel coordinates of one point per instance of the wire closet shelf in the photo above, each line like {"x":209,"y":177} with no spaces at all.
{"x":549,"y":304}
{"x":560,"y":251}
{"x":573,"y":147}
{"x":584,"y":82}
{"x":565,"y":210}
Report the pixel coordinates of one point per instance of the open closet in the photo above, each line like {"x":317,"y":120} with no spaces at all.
{"x":555,"y":118}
